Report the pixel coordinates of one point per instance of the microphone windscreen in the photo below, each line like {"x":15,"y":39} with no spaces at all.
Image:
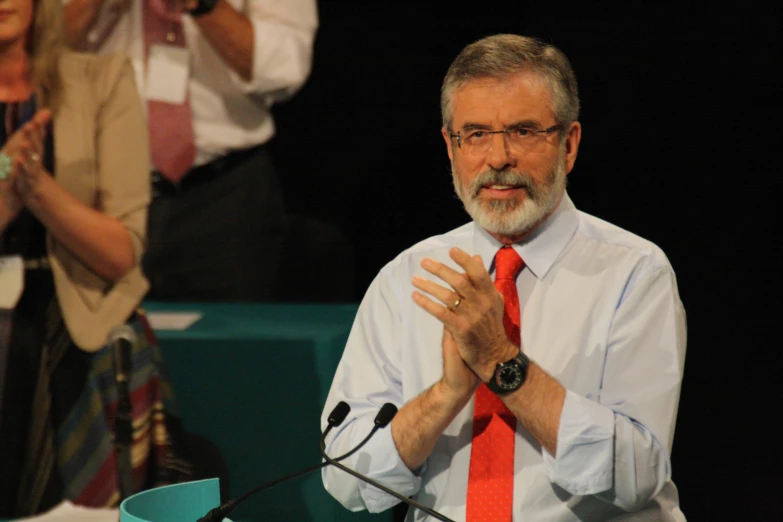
{"x":339,"y":413}
{"x":122,"y":332}
{"x":387,"y":413}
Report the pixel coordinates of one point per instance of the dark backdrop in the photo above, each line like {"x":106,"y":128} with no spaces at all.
{"x":681,"y":116}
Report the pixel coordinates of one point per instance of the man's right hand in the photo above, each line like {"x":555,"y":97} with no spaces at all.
{"x":458,"y":380}
{"x":421,"y":422}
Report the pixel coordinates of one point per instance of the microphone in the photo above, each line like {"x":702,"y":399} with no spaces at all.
{"x":385,"y":416}
{"x":382,"y":419}
{"x":388,"y":411}
{"x":336,"y":417}
{"x":121,"y":340}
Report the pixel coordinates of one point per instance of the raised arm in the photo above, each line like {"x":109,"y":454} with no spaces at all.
{"x":268,"y":46}
{"x":106,"y":237}
{"x":616,"y":447}
{"x":368,"y":376}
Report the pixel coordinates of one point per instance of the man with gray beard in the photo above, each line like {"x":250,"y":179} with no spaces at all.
{"x":536,"y":353}
{"x":507,"y":216}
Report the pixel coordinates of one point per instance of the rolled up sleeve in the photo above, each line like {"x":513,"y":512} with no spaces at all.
{"x":283,"y":36}
{"x":379,"y":461}
{"x":585,"y":445}
{"x":367,"y":377}
{"x":618,"y":447}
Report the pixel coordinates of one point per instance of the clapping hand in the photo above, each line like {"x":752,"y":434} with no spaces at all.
{"x":470,"y":308}
{"x":457,"y":375}
{"x":25,"y":150}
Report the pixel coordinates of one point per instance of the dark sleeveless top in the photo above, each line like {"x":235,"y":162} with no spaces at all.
{"x":26,"y":236}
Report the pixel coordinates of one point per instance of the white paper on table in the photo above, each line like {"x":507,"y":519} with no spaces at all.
{"x":68,"y":512}
{"x":172,"y":320}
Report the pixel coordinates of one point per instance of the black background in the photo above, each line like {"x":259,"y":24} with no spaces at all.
{"x":681,"y":117}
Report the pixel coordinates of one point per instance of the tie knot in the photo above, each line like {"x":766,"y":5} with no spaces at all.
{"x":507,"y":264}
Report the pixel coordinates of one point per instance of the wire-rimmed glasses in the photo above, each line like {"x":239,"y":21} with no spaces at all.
{"x":476,"y":141}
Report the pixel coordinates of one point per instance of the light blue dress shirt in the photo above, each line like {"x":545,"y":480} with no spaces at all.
{"x":600,"y":313}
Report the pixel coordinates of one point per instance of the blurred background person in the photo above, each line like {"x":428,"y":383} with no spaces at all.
{"x":74,"y":192}
{"x":210,"y":71}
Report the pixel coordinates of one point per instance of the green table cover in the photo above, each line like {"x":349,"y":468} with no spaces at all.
{"x":253,"y":379}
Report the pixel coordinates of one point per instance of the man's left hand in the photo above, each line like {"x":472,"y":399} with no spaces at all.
{"x":470,"y":308}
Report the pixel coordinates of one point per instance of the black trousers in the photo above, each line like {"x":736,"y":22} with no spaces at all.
{"x":28,"y":335}
{"x":219,"y":235}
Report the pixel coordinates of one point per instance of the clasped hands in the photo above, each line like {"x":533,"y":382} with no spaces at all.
{"x":25,"y":150}
{"x":471,"y":310}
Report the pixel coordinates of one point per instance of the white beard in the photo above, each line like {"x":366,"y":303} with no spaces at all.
{"x":511,"y":217}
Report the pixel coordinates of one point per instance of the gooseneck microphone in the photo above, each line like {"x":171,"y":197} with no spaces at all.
{"x":336,"y":417}
{"x":387,"y":417}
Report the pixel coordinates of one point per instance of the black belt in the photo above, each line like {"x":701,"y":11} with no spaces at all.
{"x":37,"y":263}
{"x":161,"y":186}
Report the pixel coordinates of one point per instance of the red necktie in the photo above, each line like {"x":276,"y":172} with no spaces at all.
{"x":170,"y":126}
{"x":491,"y":477}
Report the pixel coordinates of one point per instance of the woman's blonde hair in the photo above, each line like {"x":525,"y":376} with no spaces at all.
{"x":45,"y":46}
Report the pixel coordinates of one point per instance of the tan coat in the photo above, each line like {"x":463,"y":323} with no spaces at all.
{"x":101,"y":157}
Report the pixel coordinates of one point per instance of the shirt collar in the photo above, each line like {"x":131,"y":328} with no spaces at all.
{"x":542,"y":247}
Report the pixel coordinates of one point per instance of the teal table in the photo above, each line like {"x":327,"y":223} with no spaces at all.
{"x":253,"y":378}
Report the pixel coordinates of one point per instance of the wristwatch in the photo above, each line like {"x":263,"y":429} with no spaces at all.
{"x":203,"y":7}
{"x":510,"y":375}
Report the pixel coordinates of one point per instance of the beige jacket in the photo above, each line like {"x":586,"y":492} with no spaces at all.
{"x":101,"y":157}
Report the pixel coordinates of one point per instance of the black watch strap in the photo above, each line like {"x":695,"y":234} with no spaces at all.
{"x":203,"y":7}
{"x":510,"y":375}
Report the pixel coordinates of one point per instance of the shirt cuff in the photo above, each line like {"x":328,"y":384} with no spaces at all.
{"x":585,"y":447}
{"x":381,"y":462}
{"x":281,"y":61}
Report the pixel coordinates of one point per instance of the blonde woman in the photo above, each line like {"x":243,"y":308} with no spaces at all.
{"x":74,"y":191}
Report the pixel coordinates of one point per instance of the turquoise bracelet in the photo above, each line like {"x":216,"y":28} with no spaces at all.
{"x":5,"y":165}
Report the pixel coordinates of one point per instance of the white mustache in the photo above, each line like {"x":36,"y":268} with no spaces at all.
{"x":504,"y":177}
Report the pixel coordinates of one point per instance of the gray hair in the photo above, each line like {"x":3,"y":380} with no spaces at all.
{"x":503,"y":55}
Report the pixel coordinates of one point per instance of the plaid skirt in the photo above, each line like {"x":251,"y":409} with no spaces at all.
{"x":66,"y":439}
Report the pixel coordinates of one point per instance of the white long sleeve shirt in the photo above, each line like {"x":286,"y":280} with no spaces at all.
{"x":600,"y":312}
{"x":229,"y":113}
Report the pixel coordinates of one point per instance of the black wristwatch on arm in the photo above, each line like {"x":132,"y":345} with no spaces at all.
{"x":510,"y":375}
{"x":204,"y":7}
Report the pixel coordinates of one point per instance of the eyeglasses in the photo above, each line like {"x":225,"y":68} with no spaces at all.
{"x":521,"y":138}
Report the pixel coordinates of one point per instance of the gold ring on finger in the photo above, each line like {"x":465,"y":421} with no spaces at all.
{"x":454,"y":307}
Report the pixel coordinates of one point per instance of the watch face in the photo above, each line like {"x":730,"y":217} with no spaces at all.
{"x":509,"y":377}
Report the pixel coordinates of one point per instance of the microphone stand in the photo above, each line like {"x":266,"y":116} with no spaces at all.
{"x":121,"y":342}
{"x":383,"y":488}
{"x":335,"y":419}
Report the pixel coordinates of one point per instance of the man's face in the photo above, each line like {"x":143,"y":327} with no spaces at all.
{"x":506,"y":189}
